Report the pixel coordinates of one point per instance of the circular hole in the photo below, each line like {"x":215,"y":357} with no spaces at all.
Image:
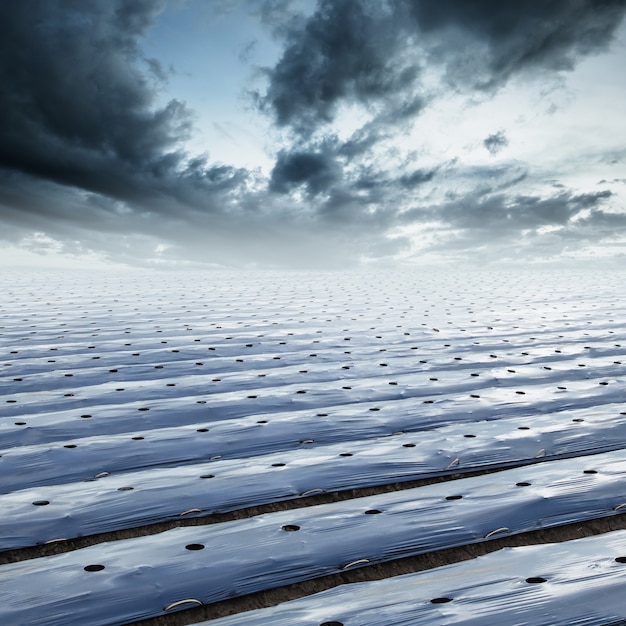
{"x":453,"y":497}
{"x":202,"y":430}
{"x":372,"y":512}
{"x":41,"y":502}
{"x":137,"y":438}
{"x":207,"y":476}
{"x":125,"y":488}
{"x":262,"y":422}
{"x":194,"y":546}
{"x":278,"y":465}
{"x":20,"y":423}
{"x":408,"y":445}
{"x":535,"y":580}
{"x":291,"y":528}
{"x":470,"y":436}
{"x":86,"y":416}
{"x":523,"y":484}
{"x":69,"y":445}
{"x":143,"y":408}
{"x":346,"y":454}
{"x":440,"y":600}
{"x":620,"y":559}
{"x":590,"y":472}
{"x":523,"y":428}
{"x":93,"y":568}
{"x":332,"y":624}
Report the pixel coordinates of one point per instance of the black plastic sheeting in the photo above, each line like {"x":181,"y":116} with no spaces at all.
{"x":132,"y":399}
{"x":111,"y":503}
{"x":433,"y":407}
{"x":139,"y":577}
{"x":236,"y":444}
{"x":578,"y":583}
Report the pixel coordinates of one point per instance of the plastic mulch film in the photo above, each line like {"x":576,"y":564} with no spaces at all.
{"x":385,"y":447}
{"x":132,"y":578}
{"x":567,"y":493}
{"x":577,"y":583}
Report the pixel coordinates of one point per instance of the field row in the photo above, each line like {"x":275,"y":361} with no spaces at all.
{"x":131,"y":401}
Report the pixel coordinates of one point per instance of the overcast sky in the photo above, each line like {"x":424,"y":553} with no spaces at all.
{"x":295,"y":133}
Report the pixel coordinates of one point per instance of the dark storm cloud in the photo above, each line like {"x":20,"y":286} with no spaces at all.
{"x":79,"y":104}
{"x":316,"y":170}
{"x":347,"y":51}
{"x":508,"y":37}
{"x":494,"y":143}
{"x":376,"y":55}
{"x":366,"y":51}
{"x":90,"y":155}
{"x":417,"y":177}
{"x":514,"y":227}
{"x":500,"y":213}
{"x":490,"y":228}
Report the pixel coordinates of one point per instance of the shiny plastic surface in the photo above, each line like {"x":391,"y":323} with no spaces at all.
{"x":131,"y":399}
{"x":577,"y":583}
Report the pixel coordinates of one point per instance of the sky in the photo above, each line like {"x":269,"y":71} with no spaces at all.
{"x":312,"y":134}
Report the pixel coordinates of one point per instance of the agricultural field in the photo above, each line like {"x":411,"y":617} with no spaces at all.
{"x":313,"y":448}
